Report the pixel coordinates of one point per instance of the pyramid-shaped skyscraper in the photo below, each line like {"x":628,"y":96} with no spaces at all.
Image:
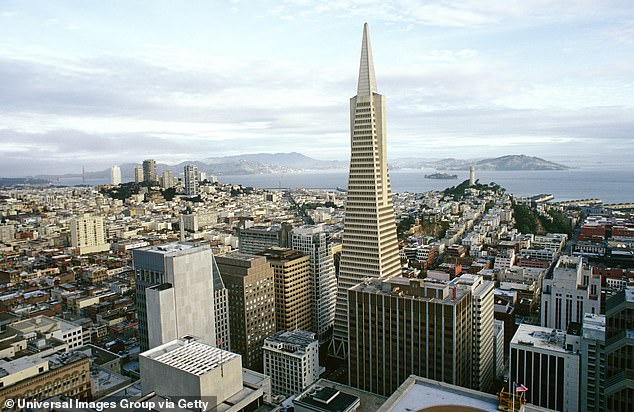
{"x":370,"y":246}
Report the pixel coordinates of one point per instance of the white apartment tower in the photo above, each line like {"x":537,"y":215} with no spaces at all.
{"x":115,"y":175}
{"x":88,"y":234}
{"x":191,"y":180}
{"x":291,"y":359}
{"x":314,"y":242}
{"x":370,"y":246}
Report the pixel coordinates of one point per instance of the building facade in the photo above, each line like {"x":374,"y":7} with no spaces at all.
{"x":619,"y":334}
{"x":149,"y":171}
{"x":569,"y":293}
{"x":402,"y":326}
{"x":370,"y":246}
{"x":88,"y":234}
{"x":546,"y":361}
{"x":250,"y":282}
{"x":314,"y":242}
{"x":593,"y":363}
{"x":191,"y":180}
{"x":255,"y":239}
{"x":174,"y":293}
{"x":291,"y":359}
{"x":293,"y":294}
{"x":115,"y":175}
{"x":482,"y":327}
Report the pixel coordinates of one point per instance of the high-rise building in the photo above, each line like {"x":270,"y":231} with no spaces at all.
{"x":569,"y":293}
{"x":592,"y":353}
{"x":115,"y":175}
{"x":221,"y":311}
{"x":149,"y":171}
{"x":174,"y":293}
{"x":88,"y":234}
{"x":293,"y":293}
{"x":138,"y":174}
{"x":314,"y":242}
{"x":546,"y":361}
{"x":291,"y":359}
{"x":250,"y":282}
{"x":498,"y":343}
{"x":482,"y":325}
{"x":255,"y":239}
{"x":401,"y":326}
{"x":167,"y":180}
{"x":191,"y":180}
{"x":370,"y":247}
{"x":619,"y":335}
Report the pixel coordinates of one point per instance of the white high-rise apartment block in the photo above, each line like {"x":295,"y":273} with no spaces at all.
{"x":291,"y":359}
{"x":191,"y":180}
{"x":88,"y":234}
{"x":370,"y":246}
{"x":483,"y":345}
{"x":569,"y":293}
{"x":167,"y":180}
{"x":115,"y":175}
{"x":175,"y":293}
{"x":314,"y":242}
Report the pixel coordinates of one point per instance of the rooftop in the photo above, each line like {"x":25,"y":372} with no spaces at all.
{"x":540,"y":337}
{"x":326,"y":399}
{"x":190,"y":356}
{"x":420,"y":394}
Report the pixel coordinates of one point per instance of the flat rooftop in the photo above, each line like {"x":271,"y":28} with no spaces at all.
{"x":189,"y":356}
{"x":540,"y":337}
{"x":170,"y":248}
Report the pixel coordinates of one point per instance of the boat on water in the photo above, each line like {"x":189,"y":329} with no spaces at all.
{"x":444,"y":176}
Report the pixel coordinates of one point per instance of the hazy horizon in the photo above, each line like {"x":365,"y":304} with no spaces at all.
{"x":117,"y":82}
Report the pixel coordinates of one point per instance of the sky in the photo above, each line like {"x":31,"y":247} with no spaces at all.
{"x":96,"y":83}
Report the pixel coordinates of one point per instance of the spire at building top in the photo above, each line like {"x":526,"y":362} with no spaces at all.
{"x":367,"y":80}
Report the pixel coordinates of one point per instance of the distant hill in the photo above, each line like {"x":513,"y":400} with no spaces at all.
{"x":509,"y":162}
{"x":263,"y":163}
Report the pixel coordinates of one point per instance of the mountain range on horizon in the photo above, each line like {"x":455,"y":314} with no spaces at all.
{"x":293,"y":162}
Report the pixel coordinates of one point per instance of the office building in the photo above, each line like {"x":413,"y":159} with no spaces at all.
{"x":88,"y":234}
{"x":401,"y":326}
{"x":546,"y":361}
{"x":314,"y":242}
{"x":191,"y":180}
{"x":115,"y":175}
{"x":291,"y":359}
{"x":593,"y":363}
{"x":569,"y":293}
{"x":194,"y":371}
{"x":174,"y":293}
{"x":221,"y":310}
{"x":250,"y":282}
{"x":149,"y":171}
{"x":293,"y":294}
{"x":482,"y":328}
{"x":619,"y":348}
{"x":138,"y":174}
{"x":370,"y":246}
{"x":498,"y":344}
{"x":255,"y":239}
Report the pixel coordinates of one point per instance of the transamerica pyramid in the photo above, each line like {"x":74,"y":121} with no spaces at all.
{"x":370,"y":246}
